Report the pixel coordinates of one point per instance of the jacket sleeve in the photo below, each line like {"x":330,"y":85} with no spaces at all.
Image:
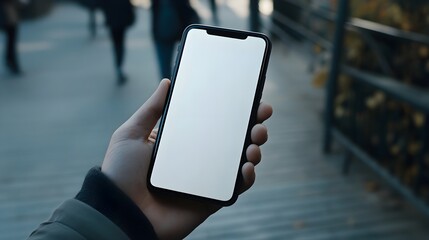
{"x":99,"y":211}
{"x":76,"y":220}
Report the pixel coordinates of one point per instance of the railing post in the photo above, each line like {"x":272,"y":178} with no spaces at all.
{"x":421,"y":156}
{"x":255,"y":20}
{"x":342,"y":16}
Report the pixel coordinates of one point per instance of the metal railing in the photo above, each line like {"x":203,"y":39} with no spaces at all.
{"x":415,"y":97}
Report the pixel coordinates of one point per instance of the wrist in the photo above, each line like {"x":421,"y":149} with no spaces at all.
{"x":99,"y":192}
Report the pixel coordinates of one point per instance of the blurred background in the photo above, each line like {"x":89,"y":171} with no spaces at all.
{"x":348,"y":153}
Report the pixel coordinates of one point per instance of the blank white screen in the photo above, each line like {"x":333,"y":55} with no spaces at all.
{"x":200,"y":148}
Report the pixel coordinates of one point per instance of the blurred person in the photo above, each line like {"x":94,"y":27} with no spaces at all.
{"x":114,"y":202}
{"x":215,"y":15}
{"x":119,"y":15}
{"x":9,"y":19}
{"x":92,"y":24}
{"x":92,"y":6}
{"x":169,"y":19}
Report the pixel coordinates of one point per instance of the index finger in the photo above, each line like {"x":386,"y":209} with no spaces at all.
{"x":264,"y":112}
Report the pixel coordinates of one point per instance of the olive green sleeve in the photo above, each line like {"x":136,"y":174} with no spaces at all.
{"x":75,"y":220}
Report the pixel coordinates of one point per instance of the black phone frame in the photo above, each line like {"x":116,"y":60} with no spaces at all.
{"x":226,"y":32}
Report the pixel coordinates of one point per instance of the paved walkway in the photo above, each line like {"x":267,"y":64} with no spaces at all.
{"x":56,"y":121}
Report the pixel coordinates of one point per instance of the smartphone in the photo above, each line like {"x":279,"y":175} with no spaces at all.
{"x":205,"y":128}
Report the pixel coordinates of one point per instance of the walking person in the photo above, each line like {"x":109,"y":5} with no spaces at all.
{"x":215,"y":16}
{"x":119,"y":16}
{"x":169,"y":19}
{"x":9,"y":19}
{"x":91,"y":6}
{"x":92,"y":24}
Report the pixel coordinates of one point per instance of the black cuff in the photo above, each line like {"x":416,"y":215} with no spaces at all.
{"x":99,"y":192}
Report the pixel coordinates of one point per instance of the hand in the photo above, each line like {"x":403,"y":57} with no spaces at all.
{"x":127,"y":162}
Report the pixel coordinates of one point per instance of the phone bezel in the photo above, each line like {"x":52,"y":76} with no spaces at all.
{"x":224,"y":32}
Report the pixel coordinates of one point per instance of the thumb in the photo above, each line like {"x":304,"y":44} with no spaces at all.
{"x":149,"y":113}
